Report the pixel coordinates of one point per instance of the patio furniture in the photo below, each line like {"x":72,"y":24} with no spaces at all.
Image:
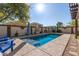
{"x":0,"y":54}
{"x":5,"y":44}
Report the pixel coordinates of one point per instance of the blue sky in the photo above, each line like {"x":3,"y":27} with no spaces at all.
{"x":50,"y":14}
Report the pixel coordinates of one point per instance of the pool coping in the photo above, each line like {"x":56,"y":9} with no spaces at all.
{"x":24,"y":36}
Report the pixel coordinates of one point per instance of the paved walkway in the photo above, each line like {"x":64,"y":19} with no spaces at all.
{"x":72,"y":48}
{"x":52,"y":48}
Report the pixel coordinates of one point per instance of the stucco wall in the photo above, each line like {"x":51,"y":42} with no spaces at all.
{"x":65,"y":30}
{"x":18,"y":30}
{"x":3,"y":30}
{"x":36,"y":30}
{"x":68,"y":30}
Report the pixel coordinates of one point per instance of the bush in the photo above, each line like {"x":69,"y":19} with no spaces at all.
{"x":59,"y":31}
{"x":53,"y":31}
{"x":16,"y":34}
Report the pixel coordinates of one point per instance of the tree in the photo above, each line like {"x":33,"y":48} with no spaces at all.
{"x":13,"y":11}
{"x":59,"y":24}
{"x":72,"y":23}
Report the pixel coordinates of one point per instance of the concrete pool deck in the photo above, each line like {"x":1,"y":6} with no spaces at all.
{"x":53,"y":48}
{"x":72,"y":48}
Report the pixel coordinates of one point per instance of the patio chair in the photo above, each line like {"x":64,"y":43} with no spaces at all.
{"x":5,"y":44}
{"x":5,"y":38}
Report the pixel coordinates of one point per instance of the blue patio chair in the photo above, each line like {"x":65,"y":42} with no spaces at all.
{"x":5,"y":44}
{"x":4,"y":38}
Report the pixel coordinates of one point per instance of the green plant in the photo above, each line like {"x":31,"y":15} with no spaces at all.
{"x":13,"y":11}
{"x":16,"y":34}
{"x":58,"y":25}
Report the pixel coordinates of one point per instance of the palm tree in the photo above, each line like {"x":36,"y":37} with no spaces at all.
{"x":13,"y":11}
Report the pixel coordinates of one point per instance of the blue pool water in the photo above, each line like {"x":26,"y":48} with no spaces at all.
{"x":40,"y":40}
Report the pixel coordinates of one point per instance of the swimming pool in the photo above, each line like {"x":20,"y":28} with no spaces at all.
{"x":40,"y":40}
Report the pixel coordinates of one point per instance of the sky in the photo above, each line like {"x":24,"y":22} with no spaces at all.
{"x":50,"y":14}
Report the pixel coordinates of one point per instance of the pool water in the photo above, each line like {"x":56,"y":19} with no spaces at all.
{"x":40,"y":40}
